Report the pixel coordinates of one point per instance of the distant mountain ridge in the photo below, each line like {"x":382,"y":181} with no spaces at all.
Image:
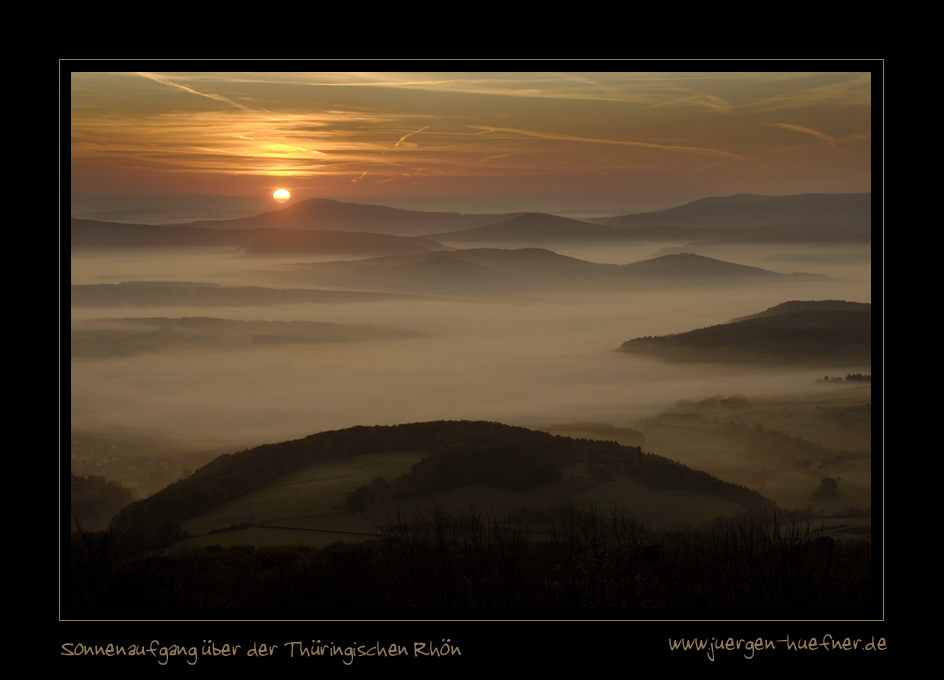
{"x":97,"y":234}
{"x":740,"y":218}
{"x":256,"y":241}
{"x":323,"y":213}
{"x":816,"y":216}
{"x":534,"y":228}
{"x":809,"y":217}
{"x":477,"y":271}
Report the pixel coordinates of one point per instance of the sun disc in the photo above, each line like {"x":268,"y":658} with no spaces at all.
{"x":281,"y":195}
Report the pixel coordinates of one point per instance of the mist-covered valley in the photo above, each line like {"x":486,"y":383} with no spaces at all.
{"x":584,"y":418}
{"x":470,"y":340}
{"x":260,"y":349}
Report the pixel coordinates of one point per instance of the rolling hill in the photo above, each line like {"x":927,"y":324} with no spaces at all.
{"x":535,"y":228}
{"x":807,"y":333}
{"x":456,"y":454}
{"x":541,"y":553}
{"x":732,"y":219}
{"x":485,"y":271}
{"x":90,"y":234}
{"x":331,"y":242}
{"x":96,"y":234}
{"x":322,"y":213}
{"x":745,"y":217}
{"x":741,"y":218}
{"x":803,"y":305}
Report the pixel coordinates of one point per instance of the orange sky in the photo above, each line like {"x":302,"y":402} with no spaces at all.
{"x":551,"y":141}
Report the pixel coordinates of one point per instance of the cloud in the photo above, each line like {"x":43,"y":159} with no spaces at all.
{"x":230,"y":141}
{"x":618,"y":142}
{"x":810,"y":131}
{"x":847,"y":90}
{"x":167,"y":81}
{"x":824,"y":139}
{"x":405,"y":137}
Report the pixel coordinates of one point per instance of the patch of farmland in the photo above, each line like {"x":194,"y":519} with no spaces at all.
{"x":481,"y":499}
{"x":309,"y":499}
{"x":659,"y":508}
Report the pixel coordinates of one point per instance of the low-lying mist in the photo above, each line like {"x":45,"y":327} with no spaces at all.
{"x":532,"y":361}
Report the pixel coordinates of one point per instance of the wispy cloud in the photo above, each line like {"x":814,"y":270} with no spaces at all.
{"x":810,"y":131}
{"x":822,"y":138}
{"x":680,"y":127}
{"x":171,"y":83}
{"x":672,"y":96}
{"x":625,"y":87}
{"x":235,"y":141}
{"x":847,"y":90}
{"x":405,"y":137}
{"x":675,"y":148}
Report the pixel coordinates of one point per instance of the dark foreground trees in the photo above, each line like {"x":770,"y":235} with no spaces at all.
{"x":583,"y":558}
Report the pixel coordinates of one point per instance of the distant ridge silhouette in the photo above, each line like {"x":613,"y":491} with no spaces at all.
{"x":323,"y":213}
{"x":802,"y":217}
{"x":811,"y":214}
{"x":830,"y":333}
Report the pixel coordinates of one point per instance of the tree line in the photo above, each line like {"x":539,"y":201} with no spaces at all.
{"x":437,"y":559}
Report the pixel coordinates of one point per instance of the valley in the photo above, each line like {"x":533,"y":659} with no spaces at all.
{"x":205,"y":349}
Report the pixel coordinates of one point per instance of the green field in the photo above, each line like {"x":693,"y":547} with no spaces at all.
{"x":306,"y":507}
{"x":659,"y":508}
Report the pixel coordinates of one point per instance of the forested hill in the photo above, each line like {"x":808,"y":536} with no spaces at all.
{"x":815,"y":216}
{"x":807,"y":305}
{"x":812,"y":334}
{"x":460,"y":453}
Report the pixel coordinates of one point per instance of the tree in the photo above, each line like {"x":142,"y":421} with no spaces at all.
{"x":827,"y":489}
{"x":359,"y":498}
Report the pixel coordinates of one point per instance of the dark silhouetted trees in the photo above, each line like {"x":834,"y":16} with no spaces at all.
{"x":588,"y":559}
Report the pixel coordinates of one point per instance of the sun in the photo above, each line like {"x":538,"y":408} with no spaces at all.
{"x":281,"y":195}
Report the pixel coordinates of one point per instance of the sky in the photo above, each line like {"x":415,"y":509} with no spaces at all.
{"x":208,"y":144}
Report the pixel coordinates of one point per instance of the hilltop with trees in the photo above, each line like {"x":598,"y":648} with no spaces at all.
{"x":456,"y":454}
{"x":807,"y":333}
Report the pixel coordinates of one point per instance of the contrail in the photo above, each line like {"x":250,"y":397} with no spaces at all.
{"x":165,"y":81}
{"x":829,"y":142}
{"x":650,"y":145}
{"x":404,"y":137}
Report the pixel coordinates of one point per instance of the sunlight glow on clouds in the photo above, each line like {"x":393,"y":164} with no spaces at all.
{"x":470,"y":133}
